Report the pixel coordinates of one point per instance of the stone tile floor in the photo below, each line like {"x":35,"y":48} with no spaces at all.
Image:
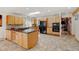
{"x":45,"y":43}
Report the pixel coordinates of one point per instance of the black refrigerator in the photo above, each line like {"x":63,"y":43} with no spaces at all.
{"x":42,"y":27}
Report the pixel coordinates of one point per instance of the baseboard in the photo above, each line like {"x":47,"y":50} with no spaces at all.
{"x":53,"y":34}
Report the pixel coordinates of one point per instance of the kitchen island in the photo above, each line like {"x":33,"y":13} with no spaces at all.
{"x":25,"y":38}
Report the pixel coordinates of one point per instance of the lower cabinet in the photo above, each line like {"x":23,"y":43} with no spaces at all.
{"x":13,"y":35}
{"x":20,"y":38}
{"x":8,"y":34}
{"x":49,"y":31}
{"x":16,"y":37}
{"x":25,"y":40}
{"x":32,"y":39}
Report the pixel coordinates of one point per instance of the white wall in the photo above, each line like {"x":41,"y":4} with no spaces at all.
{"x":28,"y":22}
{"x":75,"y":26}
{"x":2,"y":29}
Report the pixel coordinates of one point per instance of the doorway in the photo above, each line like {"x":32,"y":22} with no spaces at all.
{"x":66,"y":25}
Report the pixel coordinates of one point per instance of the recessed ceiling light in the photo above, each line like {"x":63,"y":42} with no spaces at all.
{"x":69,"y":7}
{"x":27,"y":8}
{"x":48,"y":10}
{"x":38,"y":12}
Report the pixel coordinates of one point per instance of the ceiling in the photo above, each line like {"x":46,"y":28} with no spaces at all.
{"x":44,"y":11}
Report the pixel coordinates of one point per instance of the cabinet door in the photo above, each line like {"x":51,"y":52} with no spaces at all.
{"x":8,"y":34}
{"x":13,"y":20}
{"x":21,"y":20}
{"x":16,"y":20}
{"x":49,"y":30}
{"x":25,"y":40}
{"x":32,"y":39}
{"x":18,"y":39}
{"x":13,"y":33}
{"x":10,"y":20}
{"x":7,"y":18}
{"x":58,"y":19}
{"x":50,"y":21}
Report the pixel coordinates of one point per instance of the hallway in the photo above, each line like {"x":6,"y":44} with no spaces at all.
{"x":45,"y":43}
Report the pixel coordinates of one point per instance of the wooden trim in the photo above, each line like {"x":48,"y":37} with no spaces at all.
{"x":76,"y":10}
{"x":53,"y":34}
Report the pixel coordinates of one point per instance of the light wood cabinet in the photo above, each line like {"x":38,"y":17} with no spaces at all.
{"x":53,"y":19}
{"x":19,"y":20}
{"x":50,"y":21}
{"x":20,"y":38}
{"x":0,"y":22}
{"x":32,"y":39}
{"x":26,"y":40}
{"x":14,"y":20}
{"x":16,"y":37}
{"x":49,"y":31}
{"x":9,"y":19}
{"x":57,"y":19}
{"x":8,"y":34}
{"x":34,"y":21}
{"x":13,"y":35}
{"x":22,"y":22}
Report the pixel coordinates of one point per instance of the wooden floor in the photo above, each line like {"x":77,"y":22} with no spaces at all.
{"x":45,"y":43}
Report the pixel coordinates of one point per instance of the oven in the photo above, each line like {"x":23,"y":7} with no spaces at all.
{"x":56,"y":27}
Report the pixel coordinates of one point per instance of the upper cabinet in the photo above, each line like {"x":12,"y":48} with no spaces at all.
{"x":0,"y":20}
{"x":34,"y":22}
{"x":21,"y":20}
{"x":75,"y":11}
{"x":10,"y":20}
{"x":53,"y":19}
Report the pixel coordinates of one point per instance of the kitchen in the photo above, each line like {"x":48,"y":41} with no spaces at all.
{"x":20,"y":33}
{"x":33,"y":29}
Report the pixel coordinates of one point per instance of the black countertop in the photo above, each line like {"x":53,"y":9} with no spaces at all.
{"x":23,"y":30}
